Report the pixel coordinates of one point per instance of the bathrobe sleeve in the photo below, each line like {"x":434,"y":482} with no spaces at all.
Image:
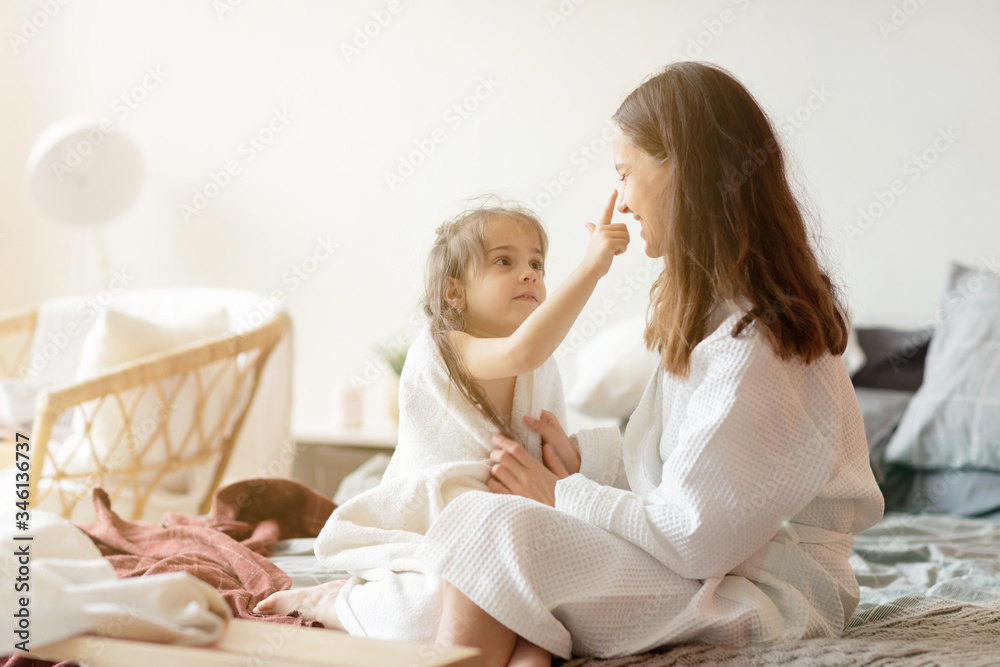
{"x":747,"y":457}
{"x":601,"y":455}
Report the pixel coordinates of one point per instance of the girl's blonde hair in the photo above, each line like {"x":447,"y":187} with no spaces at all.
{"x":459,"y":252}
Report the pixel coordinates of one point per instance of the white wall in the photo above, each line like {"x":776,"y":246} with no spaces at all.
{"x":225,"y":72}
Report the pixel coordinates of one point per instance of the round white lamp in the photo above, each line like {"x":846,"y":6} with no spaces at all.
{"x":82,"y":175}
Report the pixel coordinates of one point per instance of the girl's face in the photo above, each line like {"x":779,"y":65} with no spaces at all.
{"x":509,"y":285}
{"x":646,"y":190}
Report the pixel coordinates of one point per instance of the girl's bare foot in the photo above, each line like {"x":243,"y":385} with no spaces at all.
{"x":316,"y":603}
{"x":527,"y":654}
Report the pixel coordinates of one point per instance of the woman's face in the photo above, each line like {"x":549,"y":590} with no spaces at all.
{"x":646,"y":191}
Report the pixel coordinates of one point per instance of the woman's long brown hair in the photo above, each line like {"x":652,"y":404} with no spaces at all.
{"x":735,"y":230}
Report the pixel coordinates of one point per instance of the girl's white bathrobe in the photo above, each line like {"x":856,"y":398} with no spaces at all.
{"x":443,"y":452}
{"x":725,"y":516}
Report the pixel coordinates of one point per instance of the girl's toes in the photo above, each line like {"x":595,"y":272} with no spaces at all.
{"x":265,"y":606}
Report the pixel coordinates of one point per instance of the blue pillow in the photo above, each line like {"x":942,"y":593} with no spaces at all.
{"x":953,"y":420}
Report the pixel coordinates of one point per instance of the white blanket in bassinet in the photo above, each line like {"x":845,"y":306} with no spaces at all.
{"x":443,"y":451}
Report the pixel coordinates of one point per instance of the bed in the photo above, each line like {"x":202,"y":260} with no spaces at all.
{"x":930,"y":595}
{"x":929,"y":571}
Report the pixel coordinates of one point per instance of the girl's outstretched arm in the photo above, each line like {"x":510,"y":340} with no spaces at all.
{"x":542,"y":332}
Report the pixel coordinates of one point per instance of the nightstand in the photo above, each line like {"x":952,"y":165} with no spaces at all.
{"x":326,"y":455}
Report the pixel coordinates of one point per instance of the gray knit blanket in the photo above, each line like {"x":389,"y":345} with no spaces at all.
{"x":930,"y":595}
{"x":940,"y":632}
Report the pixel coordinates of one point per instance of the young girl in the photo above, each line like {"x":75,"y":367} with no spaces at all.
{"x":483,"y":365}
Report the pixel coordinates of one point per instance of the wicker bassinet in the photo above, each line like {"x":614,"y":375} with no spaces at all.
{"x":130,"y":471}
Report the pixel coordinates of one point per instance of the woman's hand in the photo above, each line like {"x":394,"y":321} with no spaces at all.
{"x":558,"y":453}
{"x":606,"y":240}
{"x":516,"y":472}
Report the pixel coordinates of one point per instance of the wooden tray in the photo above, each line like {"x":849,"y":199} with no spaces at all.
{"x":258,"y":644}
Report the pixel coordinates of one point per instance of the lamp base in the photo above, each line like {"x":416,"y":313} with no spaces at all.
{"x":87,"y":268}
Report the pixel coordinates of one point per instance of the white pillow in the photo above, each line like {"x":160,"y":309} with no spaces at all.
{"x":117,"y":338}
{"x":853,"y":357}
{"x":17,"y":401}
{"x":613,"y":369}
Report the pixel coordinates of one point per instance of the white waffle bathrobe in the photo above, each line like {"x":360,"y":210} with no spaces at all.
{"x":745,"y":484}
{"x":443,"y":452}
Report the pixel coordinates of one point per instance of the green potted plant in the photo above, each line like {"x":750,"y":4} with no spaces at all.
{"x":395,"y":357}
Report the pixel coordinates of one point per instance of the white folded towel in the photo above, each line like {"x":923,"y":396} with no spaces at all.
{"x":61,"y":326}
{"x":443,"y":451}
{"x":57,"y":344}
{"x":70,"y":589}
{"x":17,"y":402}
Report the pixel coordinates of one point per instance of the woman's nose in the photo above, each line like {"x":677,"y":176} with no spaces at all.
{"x":621,"y":206}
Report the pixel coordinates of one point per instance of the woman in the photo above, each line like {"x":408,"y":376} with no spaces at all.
{"x":726,"y":513}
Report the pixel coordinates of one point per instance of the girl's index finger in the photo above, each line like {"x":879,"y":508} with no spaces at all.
{"x":541,"y":426}
{"x":511,"y":446}
{"x":610,"y":210}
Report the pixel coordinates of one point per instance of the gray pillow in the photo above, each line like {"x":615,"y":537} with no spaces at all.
{"x":894,"y":358}
{"x":953,"y":421}
{"x":961,"y":492}
{"x":881,"y":410}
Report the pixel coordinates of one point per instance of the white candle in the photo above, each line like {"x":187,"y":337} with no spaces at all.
{"x":346,"y":406}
